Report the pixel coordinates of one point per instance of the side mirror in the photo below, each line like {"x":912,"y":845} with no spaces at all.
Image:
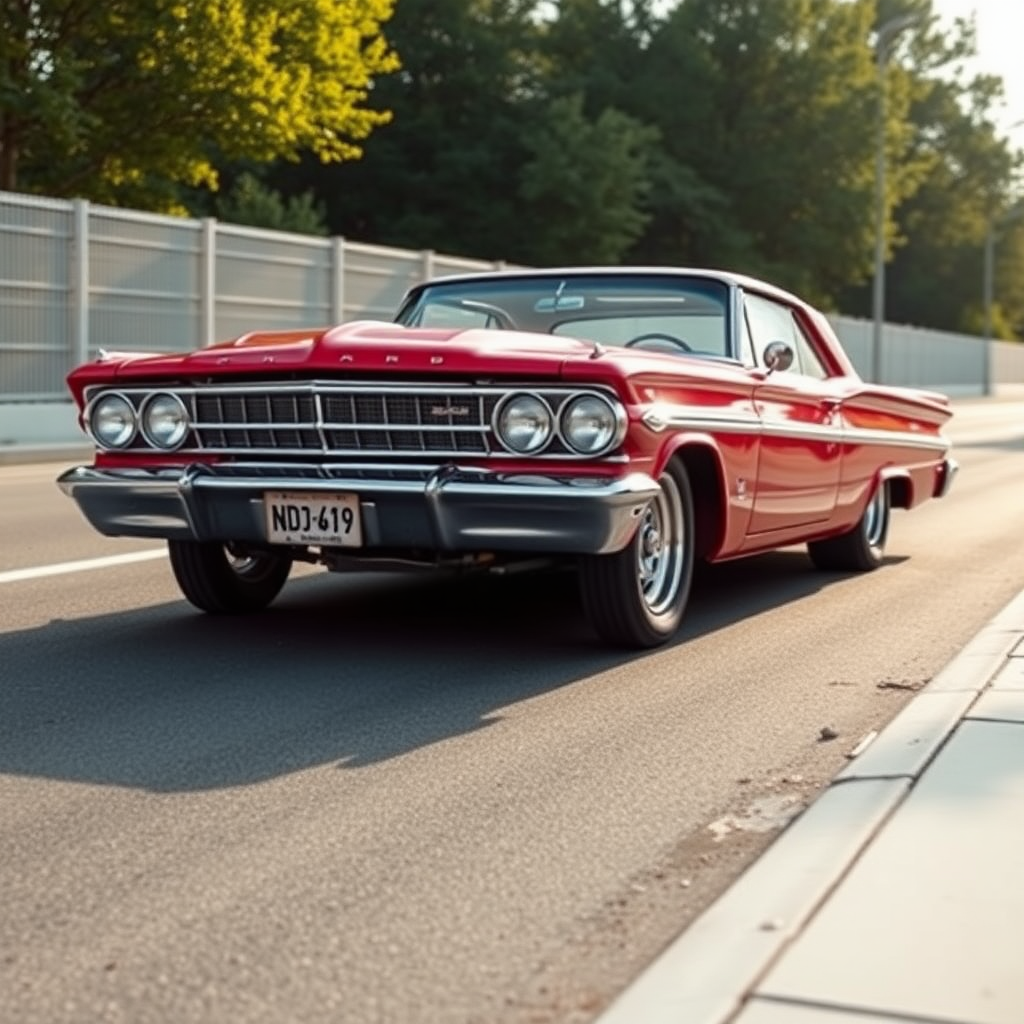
{"x":778,"y":356}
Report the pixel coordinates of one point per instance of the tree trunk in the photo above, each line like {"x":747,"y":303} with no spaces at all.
{"x":8,"y":152}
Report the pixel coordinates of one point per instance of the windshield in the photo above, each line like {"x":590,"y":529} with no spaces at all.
{"x":666,"y":313}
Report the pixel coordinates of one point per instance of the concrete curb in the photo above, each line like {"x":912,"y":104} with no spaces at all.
{"x":704,"y":976}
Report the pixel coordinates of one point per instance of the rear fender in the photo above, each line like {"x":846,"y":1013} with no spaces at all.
{"x":901,"y":486}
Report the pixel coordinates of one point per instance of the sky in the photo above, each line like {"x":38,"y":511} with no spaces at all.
{"x":1000,"y":38}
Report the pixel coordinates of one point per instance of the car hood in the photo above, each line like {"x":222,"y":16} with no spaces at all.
{"x":373,"y":350}
{"x":363,"y":346}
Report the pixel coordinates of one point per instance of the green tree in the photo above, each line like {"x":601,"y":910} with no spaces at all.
{"x":584,"y":184}
{"x":1008,"y":310}
{"x":936,"y":275}
{"x":593,"y":48}
{"x":767,"y":113}
{"x":444,"y":173}
{"x":124,"y":101}
{"x":252,"y":203}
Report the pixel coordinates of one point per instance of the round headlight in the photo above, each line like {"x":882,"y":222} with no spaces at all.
{"x":112,"y":421}
{"x":590,"y":425}
{"x":524,"y":423}
{"x":164,"y":420}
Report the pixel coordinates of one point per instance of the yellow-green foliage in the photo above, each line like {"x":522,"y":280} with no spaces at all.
{"x":121,"y":100}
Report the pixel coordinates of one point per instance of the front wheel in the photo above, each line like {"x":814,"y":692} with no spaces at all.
{"x":636,"y":597}
{"x":220,"y":579}
{"x":862,"y":548}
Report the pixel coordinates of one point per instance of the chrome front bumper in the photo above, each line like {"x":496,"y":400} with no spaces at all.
{"x":446,"y":509}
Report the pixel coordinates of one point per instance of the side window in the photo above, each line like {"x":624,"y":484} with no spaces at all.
{"x":808,"y":359}
{"x":770,"y":321}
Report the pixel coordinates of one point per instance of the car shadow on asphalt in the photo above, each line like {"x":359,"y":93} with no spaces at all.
{"x":346,"y":670}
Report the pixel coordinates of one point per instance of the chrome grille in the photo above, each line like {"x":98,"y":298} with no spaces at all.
{"x":344,"y":419}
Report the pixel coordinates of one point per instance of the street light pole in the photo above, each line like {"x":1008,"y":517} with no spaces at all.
{"x":987,"y":288}
{"x":886,"y":33}
{"x":987,"y":282}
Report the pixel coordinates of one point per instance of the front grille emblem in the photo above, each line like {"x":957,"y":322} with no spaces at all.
{"x":449,"y":410}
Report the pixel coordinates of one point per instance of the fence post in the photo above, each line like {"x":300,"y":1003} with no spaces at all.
{"x":428,"y":264}
{"x":79,"y":282}
{"x":208,"y":282}
{"x":337,"y":279}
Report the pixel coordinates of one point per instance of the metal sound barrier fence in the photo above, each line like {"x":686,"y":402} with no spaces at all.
{"x":75,"y":277}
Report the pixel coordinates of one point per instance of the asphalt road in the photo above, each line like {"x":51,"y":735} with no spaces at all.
{"x":421,"y":799}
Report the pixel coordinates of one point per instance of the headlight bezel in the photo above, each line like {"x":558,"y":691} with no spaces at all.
{"x":614,"y":434}
{"x":96,"y":406}
{"x":146,"y":425}
{"x":500,"y":427}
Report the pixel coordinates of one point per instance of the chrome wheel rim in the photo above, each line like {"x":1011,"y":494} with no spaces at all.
{"x":659,"y":548}
{"x":875,"y":518}
{"x":247,"y":566}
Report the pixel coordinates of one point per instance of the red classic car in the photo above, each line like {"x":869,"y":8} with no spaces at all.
{"x":628,"y":421}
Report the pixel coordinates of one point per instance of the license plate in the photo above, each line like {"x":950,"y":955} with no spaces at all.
{"x":298,"y":518}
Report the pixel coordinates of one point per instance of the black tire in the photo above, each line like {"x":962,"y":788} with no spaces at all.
{"x":862,"y":548}
{"x":636,"y":597}
{"x":217,"y":580}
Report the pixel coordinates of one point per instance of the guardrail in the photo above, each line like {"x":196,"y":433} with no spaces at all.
{"x":75,"y":277}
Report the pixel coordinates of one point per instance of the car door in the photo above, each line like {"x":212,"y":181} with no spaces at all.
{"x":801,"y":424}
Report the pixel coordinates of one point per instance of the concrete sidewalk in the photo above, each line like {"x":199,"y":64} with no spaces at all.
{"x":898,"y":896}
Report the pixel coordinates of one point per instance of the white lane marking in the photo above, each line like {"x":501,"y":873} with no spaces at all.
{"x":84,"y":565}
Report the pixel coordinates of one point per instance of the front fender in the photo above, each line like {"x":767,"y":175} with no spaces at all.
{"x":720,"y":516}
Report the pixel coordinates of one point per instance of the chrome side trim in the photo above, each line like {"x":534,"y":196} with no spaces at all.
{"x":736,"y":424}
{"x":897,"y":438}
{"x":751,"y":424}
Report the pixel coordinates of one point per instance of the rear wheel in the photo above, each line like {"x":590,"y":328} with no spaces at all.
{"x":862,"y":548}
{"x":221,"y":579}
{"x":636,"y":597}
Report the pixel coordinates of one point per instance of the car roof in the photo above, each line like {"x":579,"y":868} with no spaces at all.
{"x":727,"y":277}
